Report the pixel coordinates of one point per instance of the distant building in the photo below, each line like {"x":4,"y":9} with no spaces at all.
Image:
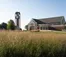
{"x":53,"y":23}
{"x":17,"y":18}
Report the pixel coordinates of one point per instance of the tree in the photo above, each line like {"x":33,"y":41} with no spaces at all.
{"x":11,"y":25}
{"x":26,"y":27}
{"x":0,"y":26}
{"x":4,"y":25}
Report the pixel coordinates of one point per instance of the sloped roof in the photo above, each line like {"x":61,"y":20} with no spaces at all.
{"x":49,"y":20}
{"x":38,"y":21}
{"x":52,"y":19}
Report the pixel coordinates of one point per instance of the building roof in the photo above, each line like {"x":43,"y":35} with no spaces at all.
{"x":49,"y":20}
{"x":38,"y":21}
{"x":53,"y":19}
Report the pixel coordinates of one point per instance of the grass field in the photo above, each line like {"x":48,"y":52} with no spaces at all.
{"x":32,"y":44}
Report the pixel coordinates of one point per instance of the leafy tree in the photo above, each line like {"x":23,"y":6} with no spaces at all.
{"x":0,"y":26}
{"x":11,"y":25}
{"x":26,"y":27}
{"x":4,"y":25}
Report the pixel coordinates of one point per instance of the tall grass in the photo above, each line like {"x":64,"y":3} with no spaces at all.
{"x":32,"y":44}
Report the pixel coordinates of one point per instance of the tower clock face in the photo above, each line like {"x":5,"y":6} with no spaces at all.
{"x":17,"y":15}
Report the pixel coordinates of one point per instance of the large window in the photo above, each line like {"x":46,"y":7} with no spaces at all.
{"x":41,"y":28}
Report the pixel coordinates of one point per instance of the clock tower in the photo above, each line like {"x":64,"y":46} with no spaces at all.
{"x":17,"y":18}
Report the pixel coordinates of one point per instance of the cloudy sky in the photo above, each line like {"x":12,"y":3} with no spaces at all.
{"x":31,"y":9}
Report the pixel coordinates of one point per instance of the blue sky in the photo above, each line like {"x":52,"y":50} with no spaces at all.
{"x":31,"y":9}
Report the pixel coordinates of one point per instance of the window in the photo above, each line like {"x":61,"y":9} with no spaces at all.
{"x":41,"y":28}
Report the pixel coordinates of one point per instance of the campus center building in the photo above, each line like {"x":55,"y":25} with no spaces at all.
{"x":53,"y":23}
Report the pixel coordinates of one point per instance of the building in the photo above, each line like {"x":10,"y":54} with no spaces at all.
{"x":53,"y":23}
{"x":17,"y":18}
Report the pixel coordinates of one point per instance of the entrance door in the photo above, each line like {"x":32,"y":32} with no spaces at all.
{"x":31,"y":27}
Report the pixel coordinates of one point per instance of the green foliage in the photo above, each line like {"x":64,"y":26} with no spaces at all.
{"x":4,"y":25}
{"x":11,"y":25}
{"x":0,"y":26}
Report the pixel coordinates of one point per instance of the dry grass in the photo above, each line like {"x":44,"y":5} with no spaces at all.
{"x":32,"y":44}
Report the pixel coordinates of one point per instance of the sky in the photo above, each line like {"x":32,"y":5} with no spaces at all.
{"x":31,"y":9}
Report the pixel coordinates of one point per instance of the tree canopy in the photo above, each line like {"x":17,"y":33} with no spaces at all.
{"x":11,"y":25}
{"x":4,"y":25}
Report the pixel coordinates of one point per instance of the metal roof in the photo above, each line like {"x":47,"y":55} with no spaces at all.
{"x":49,"y":20}
{"x":39,"y":22}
